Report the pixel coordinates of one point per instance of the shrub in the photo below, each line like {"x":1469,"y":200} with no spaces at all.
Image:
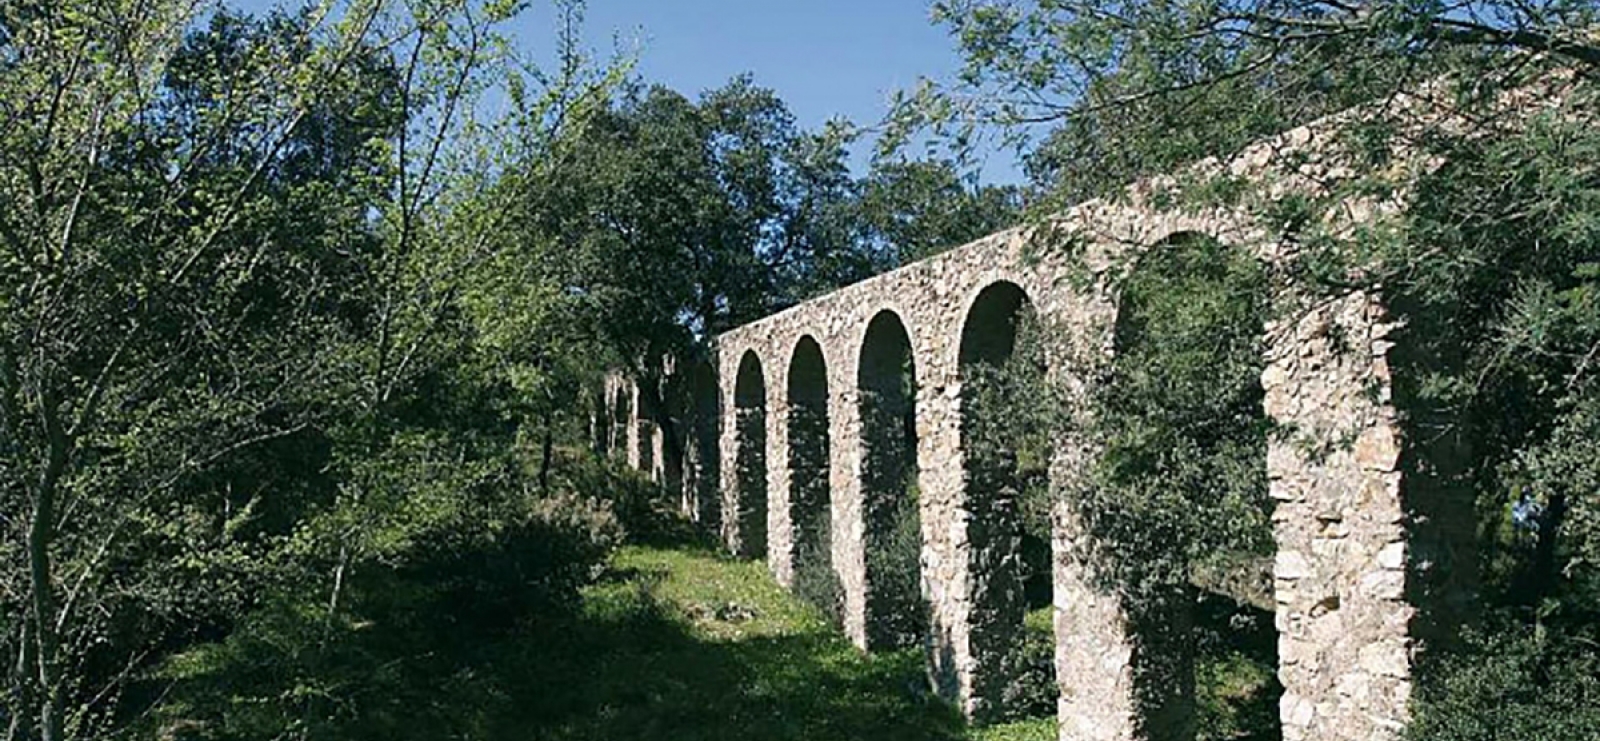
{"x":409,"y":631}
{"x":646,"y":511}
{"x":1514,"y":683}
{"x":494,"y":574}
{"x":1236,"y":663}
{"x":1031,"y":691}
{"x":815,"y":581}
{"x":1235,"y":699}
{"x":894,"y":559}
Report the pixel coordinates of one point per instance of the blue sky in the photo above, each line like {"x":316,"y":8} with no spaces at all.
{"x":825,"y":58}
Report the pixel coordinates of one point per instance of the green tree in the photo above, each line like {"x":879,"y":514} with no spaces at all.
{"x":145,"y":345}
{"x":671,"y":220}
{"x":234,"y":253}
{"x":911,"y":210}
{"x":1098,"y":93}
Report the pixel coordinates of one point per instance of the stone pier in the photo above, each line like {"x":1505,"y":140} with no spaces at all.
{"x":828,"y":411}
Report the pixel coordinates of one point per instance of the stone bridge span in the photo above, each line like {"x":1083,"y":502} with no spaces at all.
{"x":796,"y":449}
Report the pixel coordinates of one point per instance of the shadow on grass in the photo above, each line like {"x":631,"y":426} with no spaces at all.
{"x":624,"y":663}
{"x":630,"y":669}
{"x":1237,"y":685}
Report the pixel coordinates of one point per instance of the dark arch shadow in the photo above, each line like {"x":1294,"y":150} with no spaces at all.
{"x":1006,"y":478}
{"x":989,"y":334}
{"x":897,"y":615}
{"x":601,"y":434}
{"x":810,"y":493}
{"x":1186,"y":375}
{"x":705,"y":464}
{"x":750,"y":457}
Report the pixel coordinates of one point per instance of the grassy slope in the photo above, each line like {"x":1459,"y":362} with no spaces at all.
{"x":676,"y":643}
{"x":684,"y":644}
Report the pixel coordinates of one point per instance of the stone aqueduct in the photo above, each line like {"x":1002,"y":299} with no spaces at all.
{"x":1349,"y":557}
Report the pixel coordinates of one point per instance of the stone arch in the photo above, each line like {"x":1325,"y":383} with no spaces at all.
{"x":749,"y":506}
{"x":703,"y":472}
{"x":896,"y":614}
{"x":994,"y":481}
{"x":1215,"y":413}
{"x":809,"y":486}
{"x":989,"y":331}
{"x":621,"y":416}
{"x":1347,"y":549}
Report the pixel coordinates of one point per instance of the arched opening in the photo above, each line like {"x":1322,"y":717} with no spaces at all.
{"x":810,"y":513}
{"x":621,"y":412}
{"x":750,"y":464}
{"x":1179,"y":501}
{"x":601,"y":430}
{"x":1006,"y":450}
{"x":703,"y":470}
{"x":886,"y":380}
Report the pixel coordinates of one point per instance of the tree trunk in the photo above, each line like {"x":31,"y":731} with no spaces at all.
{"x":546,"y":453}
{"x":41,"y":533}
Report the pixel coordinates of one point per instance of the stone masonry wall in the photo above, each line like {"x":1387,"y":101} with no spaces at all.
{"x":1341,"y":570}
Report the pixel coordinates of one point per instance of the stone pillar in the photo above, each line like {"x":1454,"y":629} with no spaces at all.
{"x":945,"y":562}
{"x":617,"y":430}
{"x":1094,"y":657}
{"x":728,"y":455}
{"x":635,"y":441}
{"x":849,"y":523}
{"x":658,"y":463}
{"x":780,"y":529}
{"x":1344,"y":642}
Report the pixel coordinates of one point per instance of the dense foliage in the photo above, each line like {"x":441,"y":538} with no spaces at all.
{"x":295,"y":339}
{"x":1181,"y":480}
{"x":1491,"y":269}
{"x":1500,"y":279}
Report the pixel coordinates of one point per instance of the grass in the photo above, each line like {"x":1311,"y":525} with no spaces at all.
{"x":686,"y":644}
{"x":1035,"y":729}
{"x":674,"y":642}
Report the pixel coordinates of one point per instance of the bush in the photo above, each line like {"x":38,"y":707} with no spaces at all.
{"x":410,"y":630}
{"x":1514,"y":683}
{"x":492,"y":575}
{"x":1236,"y":699}
{"x":646,"y":511}
{"x":1031,"y":691}
{"x":815,"y":581}
{"x":894,"y":559}
{"x":1236,"y":663}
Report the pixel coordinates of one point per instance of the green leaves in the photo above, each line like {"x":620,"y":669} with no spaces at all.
{"x":1517,"y":683}
{"x":1180,"y":416}
{"x":234,"y":260}
{"x":1096,"y":94}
